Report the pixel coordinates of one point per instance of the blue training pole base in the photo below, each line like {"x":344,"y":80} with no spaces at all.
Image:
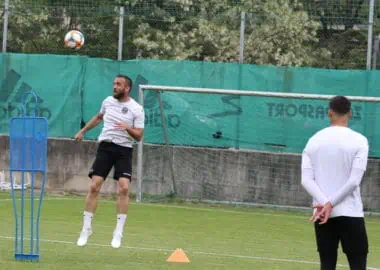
{"x":27,"y":257}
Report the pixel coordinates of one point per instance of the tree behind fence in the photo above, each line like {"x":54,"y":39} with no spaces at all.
{"x":326,"y":33}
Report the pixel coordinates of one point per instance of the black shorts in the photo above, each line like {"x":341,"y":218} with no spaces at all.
{"x":350,"y":231}
{"x":112,"y":155}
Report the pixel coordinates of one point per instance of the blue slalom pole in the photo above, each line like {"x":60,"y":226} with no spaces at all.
{"x":28,"y":154}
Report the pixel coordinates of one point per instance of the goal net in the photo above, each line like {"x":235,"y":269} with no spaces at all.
{"x":240,"y":147}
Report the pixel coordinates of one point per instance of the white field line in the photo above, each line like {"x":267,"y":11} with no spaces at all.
{"x":221,"y":255}
{"x":191,"y":208}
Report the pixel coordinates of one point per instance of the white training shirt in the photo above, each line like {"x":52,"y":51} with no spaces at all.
{"x":114,"y":111}
{"x":333,"y":163}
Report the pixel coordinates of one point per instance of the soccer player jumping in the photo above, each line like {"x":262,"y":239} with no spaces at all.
{"x":123,"y":123}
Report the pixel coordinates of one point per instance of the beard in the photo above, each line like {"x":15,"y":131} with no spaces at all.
{"x":119,"y":95}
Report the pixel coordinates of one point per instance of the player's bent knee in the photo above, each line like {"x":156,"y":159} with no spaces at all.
{"x":94,"y":189}
{"x":95,"y":186}
{"x":123,"y":190}
{"x":123,"y":186}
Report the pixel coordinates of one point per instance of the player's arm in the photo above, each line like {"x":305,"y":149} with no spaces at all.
{"x":358,"y":168}
{"x":90,"y":125}
{"x":308,"y":180}
{"x":323,"y":208}
{"x":93,"y":122}
{"x":137,"y":131}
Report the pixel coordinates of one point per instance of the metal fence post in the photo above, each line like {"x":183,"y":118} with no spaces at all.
{"x":121,"y":34}
{"x":370,"y":33}
{"x":242,"y":32}
{"x":5,"y":27}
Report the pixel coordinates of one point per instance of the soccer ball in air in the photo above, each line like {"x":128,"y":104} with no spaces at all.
{"x":74,"y":39}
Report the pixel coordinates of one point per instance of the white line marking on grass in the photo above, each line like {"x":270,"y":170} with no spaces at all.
{"x":268,"y":259}
{"x":192,"y":208}
{"x":179,"y":207}
{"x":96,"y":245}
{"x":223,"y":255}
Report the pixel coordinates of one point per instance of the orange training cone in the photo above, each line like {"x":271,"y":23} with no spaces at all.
{"x":178,"y":256}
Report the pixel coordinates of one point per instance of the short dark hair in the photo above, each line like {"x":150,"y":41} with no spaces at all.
{"x":127,"y":80}
{"x":340,"y":105}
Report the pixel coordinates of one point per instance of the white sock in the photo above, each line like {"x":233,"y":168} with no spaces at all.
{"x":121,"y":218}
{"x":87,"y":220}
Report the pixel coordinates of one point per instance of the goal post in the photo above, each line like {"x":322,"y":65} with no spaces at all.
{"x":189,"y":148}
{"x":158,"y":88}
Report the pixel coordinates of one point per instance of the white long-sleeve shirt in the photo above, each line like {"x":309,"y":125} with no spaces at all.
{"x":333,"y":163}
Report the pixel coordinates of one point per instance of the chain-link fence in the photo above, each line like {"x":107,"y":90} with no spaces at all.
{"x":316,"y":33}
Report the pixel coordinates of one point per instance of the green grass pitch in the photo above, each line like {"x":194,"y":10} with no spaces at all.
{"x":213,"y":237}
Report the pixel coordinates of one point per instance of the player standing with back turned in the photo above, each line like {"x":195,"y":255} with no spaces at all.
{"x":333,"y":164}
